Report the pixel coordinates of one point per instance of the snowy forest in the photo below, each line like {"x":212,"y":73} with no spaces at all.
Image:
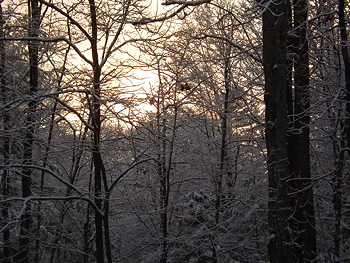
{"x":174,"y":131}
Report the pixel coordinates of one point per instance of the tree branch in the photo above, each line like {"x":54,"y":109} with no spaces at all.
{"x":52,"y":198}
{"x":183,"y":4}
{"x":76,"y":113}
{"x":124,"y":173}
{"x":239,"y":47}
{"x":59,"y":178}
{"x":187,"y":3}
{"x":54,"y":39}
{"x":71,"y":19}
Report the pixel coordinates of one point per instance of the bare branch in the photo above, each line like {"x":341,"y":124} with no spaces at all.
{"x":124,"y":173}
{"x":76,"y":113}
{"x":51,"y":198}
{"x":59,"y":178}
{"x":54,"y":39}
{"x":71,"y":19}
{"x":183,"y":4}
{"x":187,"y":3}
{"x":239,"y":47}
{"x":120,"y":28}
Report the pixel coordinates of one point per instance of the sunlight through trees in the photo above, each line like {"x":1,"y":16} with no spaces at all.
{"x":174,"y":131}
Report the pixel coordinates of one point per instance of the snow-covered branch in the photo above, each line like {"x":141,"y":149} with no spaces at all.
{"x":239,"y":47}
{"x":49,"y":40}
{"x":75,"y":112}
{"x":49,"y":198}
{"x":53,"y":174}
{"x":183,"y":5}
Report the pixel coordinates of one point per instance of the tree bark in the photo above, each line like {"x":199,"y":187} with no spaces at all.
{"x":5,"y":140}
{"x":224,"y":124}
{"x":291,"y":207}
{"x":96,"y":123}
{"x":162,"y":173}
{"x":301,"y":193}
{"x":34,"y":23}
{"x":275,"y":25}
{"x":346,"y":61}
{"x":340,"y":151}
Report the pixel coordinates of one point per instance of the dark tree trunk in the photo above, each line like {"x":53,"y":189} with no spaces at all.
{"x":96,"y":123}
{"x":107,"y":237}
{"x":165,"y":147}
{"x":162,"y":173}
{"x":34,"y":23}
{"x":106,"y":229}
{"x":345,"y":131}
{"x":87,"y":229}
{"x":6,"y":142}
{"x":275,"y":25}
{"x":223,"y":147}
{"x":346,"y":60}
{"x":339,"y":156}
{"x":303,"y":220}
{"x":291,"y":207}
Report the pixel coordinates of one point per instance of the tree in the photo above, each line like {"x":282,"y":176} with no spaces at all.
{"x":26,"y":217}
{"x":5,"y":139}
{"x":291,"y":208}
{"x":344,"y":126}
{"x":102,"y":42}
{"x":327,"y":83}
{"x":298,"y":135}
{"x":206,"y":59}
{"x":137,"y":132}
{"x":275,"y":25}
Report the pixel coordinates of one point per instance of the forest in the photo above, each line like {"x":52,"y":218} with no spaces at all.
{"x":174,"y":131}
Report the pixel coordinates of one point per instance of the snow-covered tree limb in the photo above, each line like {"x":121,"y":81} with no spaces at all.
{"x":53,"y":174}
{"x":183,"y":5}
{"x":239,"y":47}
{"x":49,"y":40}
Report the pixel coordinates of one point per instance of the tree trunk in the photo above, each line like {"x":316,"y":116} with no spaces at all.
{"x":106,"y":229}
{"x":26,"y":217}
{"x":346,"y":60}
{"x":291,"y":207}
{"x":345,"y":131}
{"x":96,"y":123}
{"x":223,"y":147}
{"x":303,"y":220}
{"x":162,"y":173}
{"x":275,"y":25}
{"x":5,"y":140}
